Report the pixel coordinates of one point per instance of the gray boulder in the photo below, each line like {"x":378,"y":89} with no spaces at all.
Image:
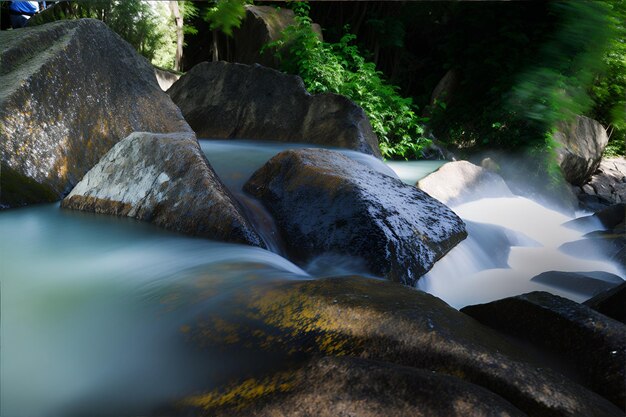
{"x":324,"y":202}
{"x":592,"y":343}
{"x":606,"y":186}
{"x":164,"y":179}
{"x":70,"y":90}
{"x":224,"y":100}
{"x":581,"y":145}
{"x":332,"y":386}
{"x":165,"y":78}
{"x":461,"y":181}
{"x":382,"y":321}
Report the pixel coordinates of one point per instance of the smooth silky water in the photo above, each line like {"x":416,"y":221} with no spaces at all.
{"x":87,"y":323}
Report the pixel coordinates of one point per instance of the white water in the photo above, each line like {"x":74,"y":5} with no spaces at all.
{"x":467,"y":274}
{"x":85,"y":330}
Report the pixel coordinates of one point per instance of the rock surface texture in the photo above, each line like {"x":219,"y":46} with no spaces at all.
{"x":611,"y":303}
{"x":324,"y":202}
{"x":582,"y":143}
{"x":606,"y":186}
{"x":461,"y":181}
{"x":591,"y":342}
{"x":331,"y":387}
{"x":224,"y":100}
{"x":382,"y":321}
{"x":164,"y":179}
{"x":70,"y":90}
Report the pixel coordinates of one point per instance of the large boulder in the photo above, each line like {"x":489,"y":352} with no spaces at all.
{"x":324,"y":202}
{"x":164,"y":179}
{"x":70,"y":90}
{"x":581,"y":145}
{"x":224,"y":100}
{"x":262,"y":25}
{"x":376,"y":320}
{"x":332,"y":386}
{"x":592,"y":343}
{"x":461,"y":181}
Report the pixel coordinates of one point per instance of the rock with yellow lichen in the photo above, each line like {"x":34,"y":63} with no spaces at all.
{"x":331,"y":387}
{"x":69,"y":91}
{"x":164,"y":179}
{"x":375,"y":320}
{"x":324,"y":202}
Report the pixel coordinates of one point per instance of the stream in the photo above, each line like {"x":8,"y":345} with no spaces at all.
{"x":85,"y":324}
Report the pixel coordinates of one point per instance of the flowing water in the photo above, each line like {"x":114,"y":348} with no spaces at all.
{"x":86,"y":324}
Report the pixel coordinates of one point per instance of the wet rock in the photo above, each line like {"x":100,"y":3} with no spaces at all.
{"x":582,"y":143}
{"x":591,"y":342}
{"x":611,"y":303}
{"x":584,"y":283}
{"x":70,"y":90}
{"x":224,"y":100}
{"x":324,"y":202}
{"x":607,"y":218}
{"x":383,"y":321}
{"x":351,"y":387}
{"x":164,"y":179}
{"x":461,"y":181}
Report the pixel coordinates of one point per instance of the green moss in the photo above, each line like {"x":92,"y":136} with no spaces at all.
{"x":19,"y":190}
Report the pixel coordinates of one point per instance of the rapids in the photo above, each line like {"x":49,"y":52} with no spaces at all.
{"x":89,"y":325}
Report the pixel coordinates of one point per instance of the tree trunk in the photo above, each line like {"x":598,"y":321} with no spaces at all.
{"x":215,"y":53}
{"x":178,"y":18}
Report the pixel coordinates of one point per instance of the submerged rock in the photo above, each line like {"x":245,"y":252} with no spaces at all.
{"x":324,"y":202}
{"x":382,"y":321}
{"x":607,"y":240}
{"x":331,"y":386}
{"x":164,"y":179}
{"x":611,"y":303}
{"x":591,"y":342}
{"x":225,"y":100}
{"x":582,"y":143}
{"x":70,"y":90}
{"x":461,"y":181}
{"x":585,"y":283}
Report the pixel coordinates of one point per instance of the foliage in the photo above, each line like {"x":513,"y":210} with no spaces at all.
{"x":147,"y":26}
{"x":609,"y":88}
{"x":340,"y":68}
{"x":225,"y":15}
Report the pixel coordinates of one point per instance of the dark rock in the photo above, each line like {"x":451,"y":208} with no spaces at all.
{"x":607,"y":218}
{"x":324,"y":202}
{"x":223,"y":100}
{"x":606,"y":186}
{"x":70,"y":91}
{"x":262,"y":25}
{"x":611,"y":303}
{"x":590,"y":341}
{"x":584,"y":283}
{"x":461,"y":181}
{"x":582,"y":143}
{"x":164,"y":179}
{"x":352,"y":387}
{"x":384,"y":321}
